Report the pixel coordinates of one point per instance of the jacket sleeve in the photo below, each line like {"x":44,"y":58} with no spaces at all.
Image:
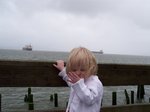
{"x":88,"y":94}
{"x":64,"y":76}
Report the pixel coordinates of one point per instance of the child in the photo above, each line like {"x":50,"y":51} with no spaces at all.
{"x":80,"y":75}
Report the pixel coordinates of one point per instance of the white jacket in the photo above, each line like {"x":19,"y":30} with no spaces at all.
{"x":85,"y":95}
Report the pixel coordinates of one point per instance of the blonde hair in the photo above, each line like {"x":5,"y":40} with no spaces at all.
{"x":82,"y":57}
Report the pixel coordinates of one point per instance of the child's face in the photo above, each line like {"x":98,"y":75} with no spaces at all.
{"x":81,"y":72}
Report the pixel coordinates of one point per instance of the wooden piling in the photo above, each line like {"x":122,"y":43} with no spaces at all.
{"x":26,"y":98}
{"x":30,"y":98}
{"x":114,"y":98}
{"x":127,"y":97}
{"x":55,"y":99}
{"x":51,"y":98}
{"x":132,"y":97}
{"x":31,"y":106}
{"x":29,"y":91}
{"x":140,"y":92}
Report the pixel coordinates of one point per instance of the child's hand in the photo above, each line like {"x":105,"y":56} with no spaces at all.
{"x":73,"y":77}
{"x":60,"y":65}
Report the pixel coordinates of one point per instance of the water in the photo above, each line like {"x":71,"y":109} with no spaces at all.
{"x":13,"y":97}
{"x":31,"y":55}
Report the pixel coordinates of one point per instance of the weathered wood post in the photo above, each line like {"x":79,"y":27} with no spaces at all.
{"x":114,"y":98}
{"x":31,"y":104}
{"x":29,"y":90}
{"x":140,"y":92}
{"x":127,"y":97}
{"x":29,"y":98}
{"x":56,"y":100}
{"x":26,"y":98}
{"x":51,"y":98}
{"x":132,"y":97}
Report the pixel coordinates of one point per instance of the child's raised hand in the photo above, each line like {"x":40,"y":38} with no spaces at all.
{"x":59,"y":65}
{"x":73,"y":77}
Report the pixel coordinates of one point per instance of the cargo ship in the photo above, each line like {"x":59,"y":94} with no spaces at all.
{"x":27,"y":47}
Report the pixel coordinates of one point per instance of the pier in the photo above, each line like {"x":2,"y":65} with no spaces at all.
{"x":32,"y":73}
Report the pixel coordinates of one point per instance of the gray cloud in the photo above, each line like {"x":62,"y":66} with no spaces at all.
{"x":116,"y":26}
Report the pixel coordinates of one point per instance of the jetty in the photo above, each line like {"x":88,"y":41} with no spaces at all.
{"x":113,"y":70}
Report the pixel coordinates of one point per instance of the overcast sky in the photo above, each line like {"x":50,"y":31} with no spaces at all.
{"x":114,"y":26}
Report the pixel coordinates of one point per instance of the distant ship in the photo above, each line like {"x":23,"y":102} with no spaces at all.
{"x":98,"y":52}
{"x":27,"y":47}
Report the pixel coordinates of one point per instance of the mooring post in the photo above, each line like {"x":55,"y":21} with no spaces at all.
{"x":56,"y":100}
{"x":127,"y":97}
{"x":29,"y":99}
{"x":51,"y":98}
{"x":132,"y":97}
{"x":140,"y":92}
{"x":29,"y":90}
{"x":114,"y":98}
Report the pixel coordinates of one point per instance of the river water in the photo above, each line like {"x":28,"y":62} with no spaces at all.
{"x":13,"y":97}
